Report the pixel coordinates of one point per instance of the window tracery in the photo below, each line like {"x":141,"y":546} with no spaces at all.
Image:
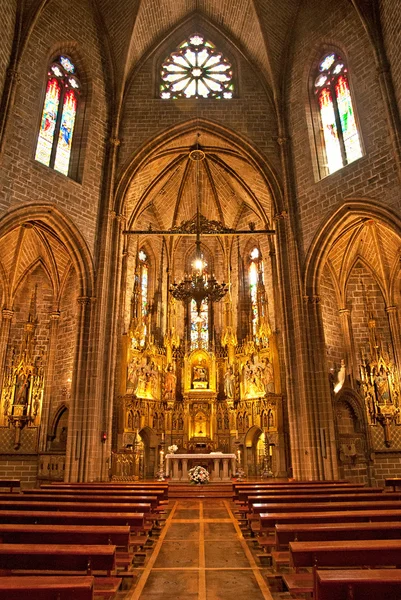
{"x":196,"y":69}
{"x":340,"y":137}
{"x":58,"y":116}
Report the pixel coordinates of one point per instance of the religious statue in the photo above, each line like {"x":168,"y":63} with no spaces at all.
{"x":170,"y":382}
{"x":229,"y":379}
{"x":268,"y":376}
{"x":22,"y":385}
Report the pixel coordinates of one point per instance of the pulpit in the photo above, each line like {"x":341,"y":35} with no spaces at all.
{"x":221,"y":466}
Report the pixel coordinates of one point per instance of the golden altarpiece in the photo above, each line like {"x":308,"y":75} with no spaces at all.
{"x":202,"y":397}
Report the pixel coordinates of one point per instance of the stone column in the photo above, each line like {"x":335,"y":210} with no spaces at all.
{"x":81,"y":417}
{"x":7,"y":316}
{"x":176,"y":473}
{"x":184,"y":476}
{"x":233,"y":467}
{"x":48,"y":388}
{"x":394,"y":323}
{"x":350,"y":358}
{"x":225,"y":470}
{"x":216,"y":469}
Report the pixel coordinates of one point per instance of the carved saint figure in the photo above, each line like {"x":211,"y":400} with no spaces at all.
{"x":170,"y":383}
{"x":22,"y":385}
{"x":229,"y":378}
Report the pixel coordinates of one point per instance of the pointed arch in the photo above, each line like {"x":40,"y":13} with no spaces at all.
{"x":348,"y":213}
{"x":48,"y":216}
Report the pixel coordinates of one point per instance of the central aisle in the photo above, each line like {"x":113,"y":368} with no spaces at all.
{"x":201,"y":555}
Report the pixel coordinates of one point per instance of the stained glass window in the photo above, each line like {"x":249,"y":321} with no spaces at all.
{"x":196,"y":70}
{"x":144,"y":269}
{"x":199,"y":325}
{"x":58,"y":116}
{"x":340,"y":134}
{"x":253,"y":275}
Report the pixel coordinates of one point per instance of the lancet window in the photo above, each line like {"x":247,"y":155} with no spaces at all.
{"x":144,"y":283}
{"x":196,"y":69}
{"x":199,"y":325}
{"x":255,"y":269}
{"x":59,"y":114}
{"x":339,"y":133}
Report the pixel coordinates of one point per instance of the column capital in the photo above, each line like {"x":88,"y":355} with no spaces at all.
{"x":391,"y":309}
{"x":282,"y":215}
{"x":55,"y":315}
{"x":7,"y":314}
{"x":114,"y":142}
{"x":312,"y":299}
{"x":344,"y":311}
{"x":86,"y":300}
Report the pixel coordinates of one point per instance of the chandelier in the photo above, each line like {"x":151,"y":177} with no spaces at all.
{"x":198,"y":285}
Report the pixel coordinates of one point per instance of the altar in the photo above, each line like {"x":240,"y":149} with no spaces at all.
{"x":221,"y":466}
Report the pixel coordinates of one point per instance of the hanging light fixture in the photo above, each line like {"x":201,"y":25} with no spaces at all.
{"x":198,"y":285}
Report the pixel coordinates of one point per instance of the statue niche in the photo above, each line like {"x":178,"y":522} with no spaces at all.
{"x":200,"y":371}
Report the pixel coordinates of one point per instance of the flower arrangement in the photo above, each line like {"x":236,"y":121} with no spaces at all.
{"x":172,"y":449}
{"x":198,"y":475}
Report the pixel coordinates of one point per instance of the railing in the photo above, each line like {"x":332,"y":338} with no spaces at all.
{"x":126,"y":465}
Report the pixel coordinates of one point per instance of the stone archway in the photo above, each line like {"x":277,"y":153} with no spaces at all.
{"x":352,"y":439}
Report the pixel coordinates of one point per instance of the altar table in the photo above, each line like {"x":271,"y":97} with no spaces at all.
{"x":223,"y":465}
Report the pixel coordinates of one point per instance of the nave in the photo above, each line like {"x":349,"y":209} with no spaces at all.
{"x":201,"y":554}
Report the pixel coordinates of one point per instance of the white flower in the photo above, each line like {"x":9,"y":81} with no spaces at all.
{"x":198,"y":475}
{"x":172,"y":449}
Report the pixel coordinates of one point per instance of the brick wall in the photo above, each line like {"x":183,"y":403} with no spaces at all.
{"x":145,"y":115}
{"x":364,"y":297}
{"x":391,"y":23}
{"x":23,"y":467}
{"x":7,"y":20}
{"x":22,"y":178}
{"x":335,"y":349}
{"x":374,"y":175}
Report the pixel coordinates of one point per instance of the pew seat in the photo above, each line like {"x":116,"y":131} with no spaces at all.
{"x":10,"y":484}
{"x":54,"y":559}
{"x":373,"y":584}
{"x":47,"y":587}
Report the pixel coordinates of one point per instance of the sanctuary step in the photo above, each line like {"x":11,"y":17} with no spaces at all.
{"x":209,"y":490}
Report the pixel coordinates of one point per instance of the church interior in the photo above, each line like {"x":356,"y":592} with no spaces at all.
{"x":200,"y":244}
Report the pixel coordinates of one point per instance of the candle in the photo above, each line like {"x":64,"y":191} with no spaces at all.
{"x":162,"y":437}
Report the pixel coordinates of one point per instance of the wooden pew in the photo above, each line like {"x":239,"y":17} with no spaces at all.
{"x":320,"y":532}
{"x":125,"y":500}
{"x":159,"y":493}
{"x":393,"y":482}
{"x":373,"y":584}
{"x":361,"y":553}
{"x":136,"y":521}
{"x":243,"y":495}
{"x":47,"y":587}
{"x":10,"y":484}
{"x":269,"y":520}
{"x":293,"y":507}
{"x":142,"y":507}
{"x":119,"y":536}
{"x":116,"y":535}
{"x":318,"y":498}
{"x":145,"y":487}
{"x":41,"y":558}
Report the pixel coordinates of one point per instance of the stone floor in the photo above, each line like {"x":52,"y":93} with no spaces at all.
{"x":201,"y":554}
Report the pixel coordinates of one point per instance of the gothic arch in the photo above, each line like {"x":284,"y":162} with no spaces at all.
{"x":47,"y":216}
{"x":240,"y":145}
{"x":345,"y":215}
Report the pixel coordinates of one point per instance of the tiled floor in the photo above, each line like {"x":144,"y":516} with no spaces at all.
{"x":201,"y":555}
